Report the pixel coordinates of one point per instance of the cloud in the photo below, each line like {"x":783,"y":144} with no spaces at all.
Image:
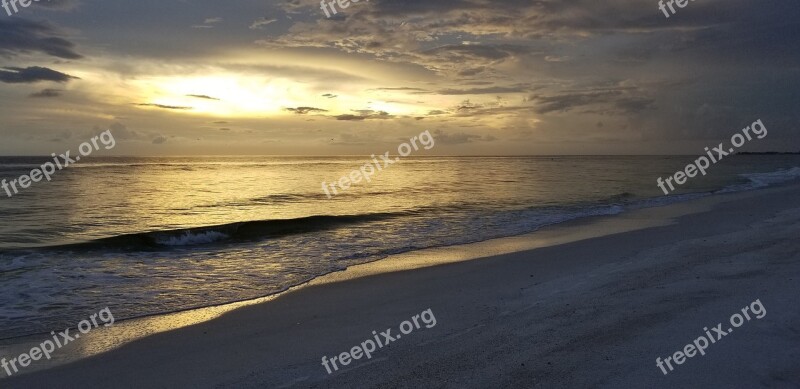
{"x":21,"y":36}
{"x":405,"y":88}
{"x":459,"y":137}
{"x":159,"y":140}
{"x":208,"y":23}
{"x":259,"y":23}
{"x":350,"y":117}
{"x":62,"y":136}
{"x":519,"y":88}
{"x":466,"y":105}
{"x":203,"y":97}
{"x":13,"y":75}
{"x":365,"y":114}
{"x":472,"y":72}
{"x":47,"y":93}
{"x":555,"y":58}
{"x":163,"y":106}
{"x":305,"y":110}
{"x":557,"y":65}
{"x":460,"y":52}
{"x":614,"y":99}
{"x":121,"y":131}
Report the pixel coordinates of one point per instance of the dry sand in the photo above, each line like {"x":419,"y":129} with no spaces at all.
{"x":586,"y":304}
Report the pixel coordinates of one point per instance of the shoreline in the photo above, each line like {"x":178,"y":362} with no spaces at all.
{"x":143,"y":330}
{"x":217,"y":308}
{"x":124,"y":331}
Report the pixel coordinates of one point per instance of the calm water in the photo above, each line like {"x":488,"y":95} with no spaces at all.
{"x":152,"y":235}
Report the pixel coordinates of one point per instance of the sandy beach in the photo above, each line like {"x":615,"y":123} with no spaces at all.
{"x":591,"y":303}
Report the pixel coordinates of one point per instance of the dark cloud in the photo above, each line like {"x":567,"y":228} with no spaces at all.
{"x":634,"y":104}
{"x":619,"y":99}
{"x":467,"y":106}
{"x":18,"y":36}
{"x":121,"y":131}
{"x":350,"y":117}
{"x":305,"y":110}
{"x":32,"y":74}
{"x":519,"y":88}
{"x":47,"y":93}
{"x":164,"y":106}
{"x":460,"y":52}
{"x":457,"y":137}
{"x":557,"y":64}
{"x":365,"y":114}
{"x":203,"y":97}
{"x":480,"y":110}
{"x":472,"y":72}
{"x":569,"y":101}
{"x":62,"y":136}
{"x":402,"y":89}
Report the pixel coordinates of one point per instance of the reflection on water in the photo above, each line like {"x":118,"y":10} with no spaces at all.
{"x":267,"y":224}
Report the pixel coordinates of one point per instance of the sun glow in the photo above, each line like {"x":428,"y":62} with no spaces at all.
{"x":224,"y":95}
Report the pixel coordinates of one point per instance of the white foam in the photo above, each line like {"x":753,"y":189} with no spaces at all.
{"x":761,"y":180}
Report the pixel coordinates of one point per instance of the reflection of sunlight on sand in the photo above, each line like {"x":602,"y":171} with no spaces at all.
{"x":104,"y":339}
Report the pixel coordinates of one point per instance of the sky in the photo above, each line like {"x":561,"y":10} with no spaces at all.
{"x":485,"y":77}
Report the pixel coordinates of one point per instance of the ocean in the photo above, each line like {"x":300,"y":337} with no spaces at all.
{"x":144,"y":236}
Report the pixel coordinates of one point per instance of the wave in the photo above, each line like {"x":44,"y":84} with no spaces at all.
{"x":249,"y":231}
{"x":762,"y":180}
{"x":232,"y":232}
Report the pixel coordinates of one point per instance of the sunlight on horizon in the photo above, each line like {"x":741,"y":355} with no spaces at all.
{"x":224,"y":94}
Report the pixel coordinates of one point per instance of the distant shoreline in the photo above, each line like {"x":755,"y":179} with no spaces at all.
{"x":769,"y":153}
